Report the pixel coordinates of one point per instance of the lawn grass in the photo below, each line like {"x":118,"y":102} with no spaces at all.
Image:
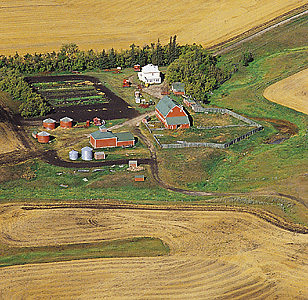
{"x":134,"y":247}
{"x":114,"y":82}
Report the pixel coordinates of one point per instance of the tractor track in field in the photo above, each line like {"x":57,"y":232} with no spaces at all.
{"x":260,"y":213}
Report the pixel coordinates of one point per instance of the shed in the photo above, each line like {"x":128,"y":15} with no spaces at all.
{"x":66,"y":122}
{"x":125,"y":139}
{"x":106,"y":139}
{"x":132,"y":163}
{"x":139,"y":177}
{"x":171,"y":114}
{"x":43,"y":137}
{"x":49,"y":123}
{"x":178,"y":88}
{"x":99,"y":155}
{"x":86,"y":153}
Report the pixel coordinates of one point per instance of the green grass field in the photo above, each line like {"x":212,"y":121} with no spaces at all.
{"x":135,"y":247}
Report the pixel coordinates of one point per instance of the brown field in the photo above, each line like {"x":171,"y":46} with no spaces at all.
{"x":40,"y":26}
{"x":291,"y":92}
{"x":213,"y":255}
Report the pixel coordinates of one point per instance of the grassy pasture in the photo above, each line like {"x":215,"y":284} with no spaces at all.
{"x":135,"y":247}
{"x":45,"y":25}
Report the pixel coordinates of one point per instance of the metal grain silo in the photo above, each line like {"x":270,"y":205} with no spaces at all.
{"x":86,"y":153}
{"x":43,"y":137}
{"x":73,"y":155}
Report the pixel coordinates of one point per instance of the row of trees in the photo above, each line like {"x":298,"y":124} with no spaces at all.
{"x":70,"y":58}
{"x":198,"y":70}
{"x":32,"y":104}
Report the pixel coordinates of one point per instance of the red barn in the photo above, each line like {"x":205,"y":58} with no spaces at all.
{"x":66,"y":122}
{"x":171,"y":114}
{"x":49,"y":123}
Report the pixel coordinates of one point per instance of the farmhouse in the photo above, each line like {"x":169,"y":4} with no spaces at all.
{"x":178,"y":88}
{"x":171,"y":114}
{"x":149,"y":74}
{"x":105,"y":139}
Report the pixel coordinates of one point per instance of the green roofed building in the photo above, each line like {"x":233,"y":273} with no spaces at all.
{"x":178,"y":88}
{"x":171,"y":114}
{"x":106,"y":139}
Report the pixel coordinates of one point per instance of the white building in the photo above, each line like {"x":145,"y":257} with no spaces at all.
{"x":149,"y":74}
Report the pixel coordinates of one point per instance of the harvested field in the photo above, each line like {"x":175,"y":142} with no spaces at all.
{"x":97,"y":25}
{"x":213,"y":255}
{"x":291,"y":92}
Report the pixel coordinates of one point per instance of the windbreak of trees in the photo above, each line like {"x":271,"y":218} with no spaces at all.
{"x":33,"y":104}
{"x":198,"y":70}
{"x":71,"y":58}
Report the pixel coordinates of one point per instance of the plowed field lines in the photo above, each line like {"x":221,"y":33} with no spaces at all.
{"x":214,"y":255}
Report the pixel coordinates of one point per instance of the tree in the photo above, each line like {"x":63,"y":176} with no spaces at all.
{"x":247,"y":58}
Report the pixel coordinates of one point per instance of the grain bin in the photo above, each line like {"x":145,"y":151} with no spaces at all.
{"x":73,"y":155}
{"x":66,"y":122}
{"x":49,"y":124}
{"x":43,"y":137}
{"x":86,"y":153}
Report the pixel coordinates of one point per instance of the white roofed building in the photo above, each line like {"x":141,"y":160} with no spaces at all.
{"x":149,"y":74}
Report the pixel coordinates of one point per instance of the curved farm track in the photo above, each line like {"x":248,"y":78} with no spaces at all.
{"x":213,"y":255}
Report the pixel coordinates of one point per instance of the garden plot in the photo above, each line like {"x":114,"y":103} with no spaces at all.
{"x":65,"y":93}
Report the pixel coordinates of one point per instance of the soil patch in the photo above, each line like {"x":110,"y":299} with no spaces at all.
{"x":116,"y":108}
{"x":286,"y":130}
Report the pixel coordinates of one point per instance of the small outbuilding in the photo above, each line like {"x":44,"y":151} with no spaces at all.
{"x":49,"y":123}
{"x":43,"y":137}
{"x":171,"y":114}
{"x":99,"y":155}
{"x":132,"y":163}
{"x":139,"y":178}
{"x":178,"y":88}
{"x":66,"y":122}
{"x":137,"y":68}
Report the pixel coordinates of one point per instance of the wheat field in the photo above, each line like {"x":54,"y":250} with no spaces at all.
{"x":40,"y":26}
{"x":291,"y":92}
{"x":213,"y":255}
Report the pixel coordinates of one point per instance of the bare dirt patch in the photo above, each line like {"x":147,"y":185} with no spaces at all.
{"x":291,"y":92}
{"x":213,"y":255}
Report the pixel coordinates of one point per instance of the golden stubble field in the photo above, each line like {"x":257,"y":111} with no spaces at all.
{"x":291,"y":92}
{"x":40,"y":26}
{"x":214,"y":255}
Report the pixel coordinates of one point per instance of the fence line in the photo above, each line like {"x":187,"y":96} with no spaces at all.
{"x":198,"y":108}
